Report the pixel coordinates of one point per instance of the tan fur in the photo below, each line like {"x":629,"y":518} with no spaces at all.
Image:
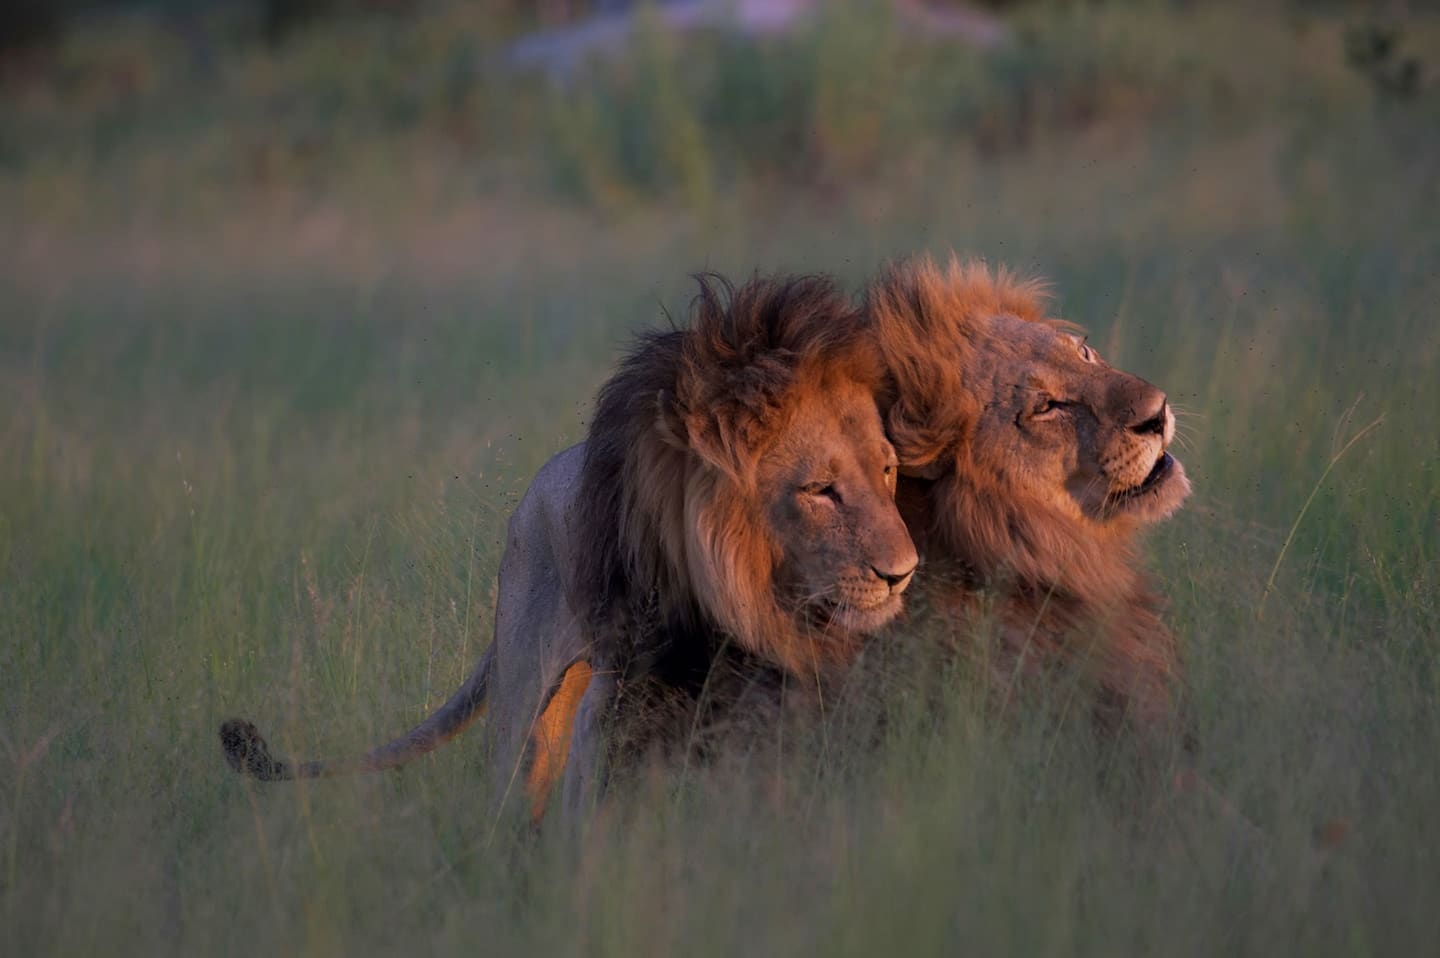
{"x":1029,"y":465}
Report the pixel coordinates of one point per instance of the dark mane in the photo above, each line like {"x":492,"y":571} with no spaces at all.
{"x":678,"y":428}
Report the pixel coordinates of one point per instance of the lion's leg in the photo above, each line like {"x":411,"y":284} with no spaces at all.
{"x":551,"y":737}
{"x":584,"y":768}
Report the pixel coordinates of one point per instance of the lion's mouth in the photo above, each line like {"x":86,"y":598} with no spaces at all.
{"x":1158,"y":474}
{"x":837,"y":615}
{"x":1159,"y":493}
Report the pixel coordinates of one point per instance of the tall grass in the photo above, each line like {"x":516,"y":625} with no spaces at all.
{"x":242,"y":472}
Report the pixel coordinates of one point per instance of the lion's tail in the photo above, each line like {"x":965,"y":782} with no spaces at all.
{"x":248,"y":754}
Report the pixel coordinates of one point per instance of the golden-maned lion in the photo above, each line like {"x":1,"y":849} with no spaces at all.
{"x":1029,"y":466}
{"x":736,"y":488}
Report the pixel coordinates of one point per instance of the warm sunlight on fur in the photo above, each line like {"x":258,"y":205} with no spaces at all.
{"x":551,"y":738}
{"x":1031,"y":466}
{"x":737,"y":478}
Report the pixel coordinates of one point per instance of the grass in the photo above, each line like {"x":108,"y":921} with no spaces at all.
{"x":261,"y":465}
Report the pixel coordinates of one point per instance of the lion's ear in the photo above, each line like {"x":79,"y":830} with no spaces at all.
{"x":713,"y":437}
{"x":710,"y":434}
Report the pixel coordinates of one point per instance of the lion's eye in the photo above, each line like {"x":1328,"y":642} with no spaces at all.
{"x":821,"y":490}
{"x":1046,"y":408}
{"x":1087,"y":354}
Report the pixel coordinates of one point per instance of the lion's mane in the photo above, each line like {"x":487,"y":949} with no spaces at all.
{"x":673,"y":564}
{"x":1064,"y":592}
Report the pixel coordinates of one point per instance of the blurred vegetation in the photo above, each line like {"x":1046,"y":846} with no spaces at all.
{"x":148,"y":101}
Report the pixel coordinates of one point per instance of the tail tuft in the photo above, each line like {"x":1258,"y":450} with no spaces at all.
{"x":247,"y":752}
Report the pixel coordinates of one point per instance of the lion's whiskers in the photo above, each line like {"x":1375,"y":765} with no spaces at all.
{"x":810,"y":601}
{"x":811,"y":598}
{"x":1185,"y":420}
{"x":1092,"y":486}
{"x":1185,"y":412}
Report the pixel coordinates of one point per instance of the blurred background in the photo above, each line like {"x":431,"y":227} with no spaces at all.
{"x":296,"y":296}
{"x":325,"y":119}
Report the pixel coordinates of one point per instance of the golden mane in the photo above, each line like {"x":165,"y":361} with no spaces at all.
{"x":980,"y":529}
{"x":924,"y":315}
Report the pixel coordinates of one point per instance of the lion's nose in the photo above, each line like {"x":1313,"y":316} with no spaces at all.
{"x":1152,"y":423}
{"x":896,"y":580}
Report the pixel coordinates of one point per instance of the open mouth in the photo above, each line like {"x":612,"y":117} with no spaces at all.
{"x":1164,"y":466}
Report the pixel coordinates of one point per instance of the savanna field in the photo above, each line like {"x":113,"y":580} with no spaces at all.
{"x":285,"y":334}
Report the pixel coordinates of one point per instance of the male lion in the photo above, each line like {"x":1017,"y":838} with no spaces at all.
{"x":1030,"y":466}
{"x":736,"y":488}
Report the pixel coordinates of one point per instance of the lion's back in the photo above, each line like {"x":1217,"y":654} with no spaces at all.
{"x":537,"y":634}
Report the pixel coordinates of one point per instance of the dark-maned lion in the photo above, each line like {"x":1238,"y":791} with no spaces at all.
{"x":1030,"y":466}
{"x":735,"y":488}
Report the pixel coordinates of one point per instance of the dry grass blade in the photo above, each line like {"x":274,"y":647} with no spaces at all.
{"x":1335,"y":456}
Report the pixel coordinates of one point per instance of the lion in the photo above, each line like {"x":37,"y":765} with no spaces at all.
{"x":735,"y":490}
{"x":1029,"y":468}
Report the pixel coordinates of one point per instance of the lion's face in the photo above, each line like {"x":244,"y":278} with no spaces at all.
{"x":827,"y":489}
{"x":1062,"y":428}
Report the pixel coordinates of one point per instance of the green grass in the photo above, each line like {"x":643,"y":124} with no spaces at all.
{"x":263,"y":466}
